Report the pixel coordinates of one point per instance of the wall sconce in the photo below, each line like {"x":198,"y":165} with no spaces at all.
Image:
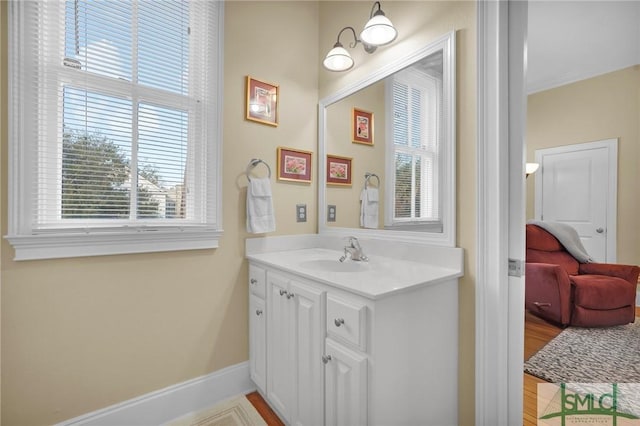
{"x":338,"y":59}
{"x":378,"y":31}
{"x":530,"y":168}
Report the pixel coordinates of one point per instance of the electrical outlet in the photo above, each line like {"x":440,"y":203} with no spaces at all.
{"x":301,"y":212}
{"x":331,"y":213}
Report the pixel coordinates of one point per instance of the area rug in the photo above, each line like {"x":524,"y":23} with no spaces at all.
{"x":235,"y":412}
{"x":590,"y":355}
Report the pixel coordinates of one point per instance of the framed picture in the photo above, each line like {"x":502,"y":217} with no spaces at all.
{"x":338,"y":170}
{"x":262,"y":101}
{"x":362,"y":125}
{"x":294,"y":165}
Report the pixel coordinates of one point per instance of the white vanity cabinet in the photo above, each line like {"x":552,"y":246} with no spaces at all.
{"x":258,"y":327}
{"x":337,"y":356}
{"x":295,"y":338}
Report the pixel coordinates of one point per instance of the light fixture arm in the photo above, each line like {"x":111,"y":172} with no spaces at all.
{"x":355,"y":38}
{"x":367,"y":48}
{"x":378,"y":12}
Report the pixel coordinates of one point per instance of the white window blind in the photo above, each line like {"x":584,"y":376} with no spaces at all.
{"x":416,"y":106}
{"x":117,"y":124}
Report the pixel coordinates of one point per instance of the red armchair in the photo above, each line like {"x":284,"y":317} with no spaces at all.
{"x":560,"y":289}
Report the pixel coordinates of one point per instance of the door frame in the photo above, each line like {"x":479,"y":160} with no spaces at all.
{"x":611,"y":221}
{"x":501,"y":50}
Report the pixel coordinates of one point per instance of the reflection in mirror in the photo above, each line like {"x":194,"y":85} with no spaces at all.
{"x":411,"y":149}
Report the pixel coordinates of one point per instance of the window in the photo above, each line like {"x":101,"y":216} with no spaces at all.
{"x":416,"y":105}
{"x":115,"y":126}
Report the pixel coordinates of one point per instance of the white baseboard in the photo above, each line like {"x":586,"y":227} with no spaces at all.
{"x":175,"y":401}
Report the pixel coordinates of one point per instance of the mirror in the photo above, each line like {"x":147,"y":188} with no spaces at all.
{"x":391,"y":137}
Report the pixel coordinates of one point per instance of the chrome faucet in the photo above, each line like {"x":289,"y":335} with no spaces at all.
{"x":354,"y":251}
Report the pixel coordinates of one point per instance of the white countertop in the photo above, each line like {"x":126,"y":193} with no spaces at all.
{"x":375,"y":279}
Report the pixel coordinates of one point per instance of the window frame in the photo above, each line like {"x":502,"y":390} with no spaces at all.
{"x":31,"y":242}
{"x":431,"y":104}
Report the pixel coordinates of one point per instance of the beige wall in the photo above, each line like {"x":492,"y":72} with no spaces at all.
{"x":420,"y":22}
{"x":81,"y":334}
{"x":366,"y":158}
{"x":603,"y":107}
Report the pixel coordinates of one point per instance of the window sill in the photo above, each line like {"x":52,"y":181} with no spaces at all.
{"x":415,"y":225}
{"x":64,"y":245}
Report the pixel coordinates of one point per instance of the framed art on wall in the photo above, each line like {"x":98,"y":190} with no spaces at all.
{"x":262,"y":101}
{"x":294,"y":165}
{"x":362,"y":126}
{"x":339,"y":170}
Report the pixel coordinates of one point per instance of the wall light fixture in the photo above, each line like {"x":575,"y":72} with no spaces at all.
{"x":378,"y":31}
{"x":530,"y":168}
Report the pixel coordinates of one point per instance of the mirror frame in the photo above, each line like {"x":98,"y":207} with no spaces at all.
{"x":447,"y":237}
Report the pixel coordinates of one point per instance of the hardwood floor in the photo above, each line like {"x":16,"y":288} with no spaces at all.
{"x":264,"y":410}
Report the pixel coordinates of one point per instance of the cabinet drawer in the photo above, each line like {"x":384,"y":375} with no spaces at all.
{"x":257,"y":281}
{"x":347,"y":321}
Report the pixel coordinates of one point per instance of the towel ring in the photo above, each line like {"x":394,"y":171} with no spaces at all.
{"x":369,"y":176}
{"x":253,"y":163}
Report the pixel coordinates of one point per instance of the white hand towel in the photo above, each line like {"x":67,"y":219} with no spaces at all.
{"x":369,"y":208}
{"x":260,"y":217}
{"x":372,"y":195}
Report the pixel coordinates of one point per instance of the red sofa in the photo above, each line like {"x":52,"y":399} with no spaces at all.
{"x":561,"y":290}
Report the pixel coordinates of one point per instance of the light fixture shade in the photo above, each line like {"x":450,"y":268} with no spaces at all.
{"x":378,"y":31}
{"x":338,"y":59}
{"x":531,"y":168}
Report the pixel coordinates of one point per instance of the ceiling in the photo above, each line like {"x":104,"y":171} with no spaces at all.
{"x":569,"y":41}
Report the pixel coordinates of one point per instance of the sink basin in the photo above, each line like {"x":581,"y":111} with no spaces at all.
{"x":335,"y":265}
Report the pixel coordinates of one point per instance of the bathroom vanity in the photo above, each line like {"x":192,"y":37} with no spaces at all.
{"x":354,"y":343}
{"x":369,"y":342}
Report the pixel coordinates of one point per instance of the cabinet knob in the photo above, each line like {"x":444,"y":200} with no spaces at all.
{"x":600,"y":230}
{"x":338,"y":321}
{"x":326,"y":358}
{"x":283,"y":292}
{"x":258,"y":312}
{"x":253,"y":281}
{"x":290,"y":295}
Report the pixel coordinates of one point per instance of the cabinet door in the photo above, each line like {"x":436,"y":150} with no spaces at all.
{"x":258,"y":342}
{"x":308,"y":307}
{"x":280,"y":349}
{"x":257,"y":277}
{"x":345,"y":386}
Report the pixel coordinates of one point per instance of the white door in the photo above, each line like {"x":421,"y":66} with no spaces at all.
{"x":280,"y":350}
{"x":346,"y":386}
{"x":258,"y":341}
{"x":576,"y":185}
{"x":308,"y":368}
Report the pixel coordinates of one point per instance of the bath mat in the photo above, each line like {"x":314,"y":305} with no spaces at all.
{"x":234,"y":412}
